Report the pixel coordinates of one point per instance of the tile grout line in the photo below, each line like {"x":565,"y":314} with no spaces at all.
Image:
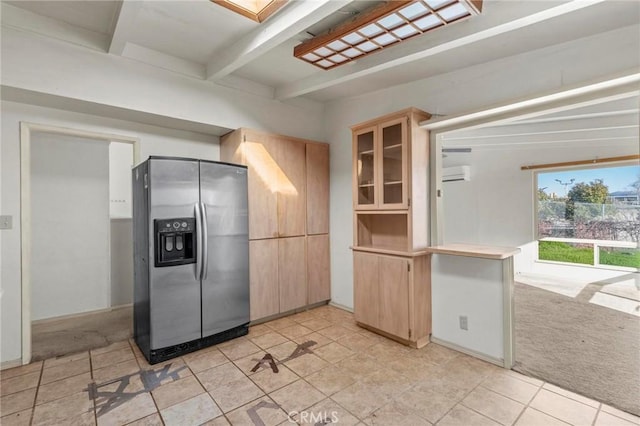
{"x":527,"y":405}
{"x":35,"y":397}
{"x":569,"y":391}
{"x":595,"y":418}
{"x":503,"y":395}
{"x":149,"y":392}
{"x":267,"y":394}
{"x":93,"y":402}
{"x":470,"y":408}
{"x":205,"y":389}
{"x":544,"y":412}
{"x":329,"y":397}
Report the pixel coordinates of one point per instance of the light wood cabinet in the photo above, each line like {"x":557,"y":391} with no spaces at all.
{"x":380,"y":156}
{"x":366,"y":298}
{"x":317,"y":161}
{"x":390,"y":187}
{"x":257,"y":151}
{"x":392,"y":288}
{"x":264,"y":288}
{"x":292,"y":189}
{"x":318,"y":269}
{"x":288,"y":182}
{"x":392,"y":295}
{"x":292,"y":273}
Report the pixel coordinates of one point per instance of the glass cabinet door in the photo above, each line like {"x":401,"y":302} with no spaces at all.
{"x":365,"y":168}
{"x":393,"y":162}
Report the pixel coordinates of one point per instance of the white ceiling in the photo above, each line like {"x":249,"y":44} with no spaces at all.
{"x":608,"y":122}
{"x":204,"y":40}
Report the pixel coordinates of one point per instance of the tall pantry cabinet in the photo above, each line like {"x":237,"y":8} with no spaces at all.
{"x":392,"y":282}
{"x":288,"y":219}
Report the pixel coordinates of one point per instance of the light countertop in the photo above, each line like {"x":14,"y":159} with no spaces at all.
{"x":475,"y":250}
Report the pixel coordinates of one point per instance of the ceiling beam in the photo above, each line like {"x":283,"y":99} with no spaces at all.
{"x":419,"y":48}
{"x":293,"y":19}
{"x":123,"y":25}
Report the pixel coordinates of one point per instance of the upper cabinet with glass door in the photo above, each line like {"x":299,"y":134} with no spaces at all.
{"x":393,"y":164}
{"x":365,"y":157}
{"x":382,"y":160}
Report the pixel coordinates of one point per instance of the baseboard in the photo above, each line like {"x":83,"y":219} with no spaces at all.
{"x":497,"y":361}
{"x":417,"y":344}
{"x":80,"y":314}
{"x":11,"y":364}
{"x":339,"y":306}
{"x":287,"y":313}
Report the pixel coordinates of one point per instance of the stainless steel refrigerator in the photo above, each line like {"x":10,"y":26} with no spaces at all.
{"x":191,"y":255}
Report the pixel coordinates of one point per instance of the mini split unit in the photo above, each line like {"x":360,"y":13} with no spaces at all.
{"x":458,"y":173}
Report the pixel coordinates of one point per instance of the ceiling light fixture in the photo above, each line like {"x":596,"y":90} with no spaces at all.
{"x":384,"y":25}
{"x":256,"y":10}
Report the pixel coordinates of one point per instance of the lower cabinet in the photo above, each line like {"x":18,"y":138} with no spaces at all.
{"x":393,"y":290}
{"x":318,"y":270}
{"x":292,"y":273}
{"x":392,"y":295}
{"x":288,"y":273}
{"x":263,"y":278}
{"x":366,"y":294}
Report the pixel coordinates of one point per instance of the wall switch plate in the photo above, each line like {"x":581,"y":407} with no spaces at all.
{"x":464,"y":322}
{"x":6,"y":222}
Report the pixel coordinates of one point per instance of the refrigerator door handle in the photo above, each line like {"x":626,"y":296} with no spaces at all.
{"x":205,"y":241}
{"x":199,"y":249}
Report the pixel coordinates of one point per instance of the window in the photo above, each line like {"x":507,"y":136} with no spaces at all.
{"x":257,"y":10}
{"x":590,"y":216}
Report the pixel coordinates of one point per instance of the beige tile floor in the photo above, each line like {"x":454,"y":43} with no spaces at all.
{"x":328,"y":371}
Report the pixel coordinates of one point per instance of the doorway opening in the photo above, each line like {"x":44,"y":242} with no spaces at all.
{"x":76,"y":274}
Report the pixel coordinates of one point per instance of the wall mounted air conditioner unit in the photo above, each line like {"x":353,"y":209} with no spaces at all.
{"x":458,"y":173}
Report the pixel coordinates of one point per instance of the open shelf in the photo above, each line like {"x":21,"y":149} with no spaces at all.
{"x":382,"y":231}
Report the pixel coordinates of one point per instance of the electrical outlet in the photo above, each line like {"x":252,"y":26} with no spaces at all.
{"x":464,"y":322}
{"x":6,"y":222}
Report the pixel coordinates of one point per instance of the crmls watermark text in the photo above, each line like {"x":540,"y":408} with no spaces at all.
{"x":314,"y":418}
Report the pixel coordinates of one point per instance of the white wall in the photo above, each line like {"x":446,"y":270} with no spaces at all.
{"x":111,"y":81}
{"x":69,"y":225}
{"x":470,"y":287}
{"x":474,"y":88}
{"x":120,"y":163}
{"x":121,"y":261}
{"x":496,"y":207}
{"x":153,"y":141}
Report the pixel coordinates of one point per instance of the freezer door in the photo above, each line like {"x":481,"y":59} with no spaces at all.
{"x":225,"y":283}
{"x":174,"y":290}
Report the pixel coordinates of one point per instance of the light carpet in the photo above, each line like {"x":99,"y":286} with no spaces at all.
{"x":585,"y":347}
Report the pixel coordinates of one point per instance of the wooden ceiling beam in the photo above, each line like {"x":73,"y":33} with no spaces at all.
{"x":349,"y":26}
{"x":292,"y":20}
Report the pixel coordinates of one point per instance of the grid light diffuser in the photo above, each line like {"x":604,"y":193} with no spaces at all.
{"x":385,"y":25}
